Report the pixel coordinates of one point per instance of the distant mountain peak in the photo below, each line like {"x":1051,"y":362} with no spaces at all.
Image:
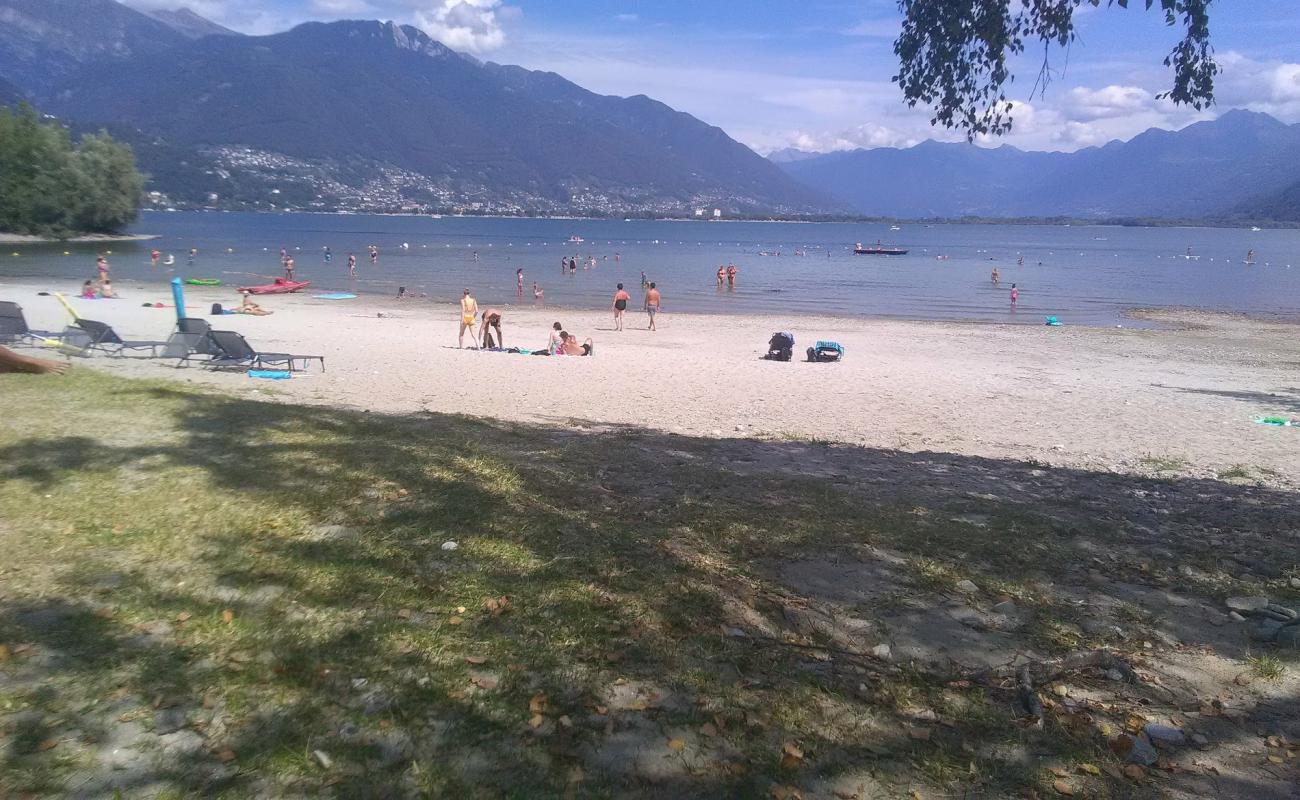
{"x":187,"y":23}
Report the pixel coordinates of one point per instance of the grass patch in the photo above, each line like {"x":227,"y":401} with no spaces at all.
{"x":1266,"y":666}
{"x":1163,"y":463}
{"x":284,"y":576}
{"x":1236,"y":472}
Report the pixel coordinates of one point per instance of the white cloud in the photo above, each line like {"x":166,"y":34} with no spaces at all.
{"x":1272,"y":87}
{"x":337,"y":8}
{"x":470,"y":25}
{"x":1107,"y":102}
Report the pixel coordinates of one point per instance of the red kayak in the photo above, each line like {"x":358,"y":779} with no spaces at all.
{"x":281,"y":286}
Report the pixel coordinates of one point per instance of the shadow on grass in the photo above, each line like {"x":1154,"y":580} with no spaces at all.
{"x":677,"y":609}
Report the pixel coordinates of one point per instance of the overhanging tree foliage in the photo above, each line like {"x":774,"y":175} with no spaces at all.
{"x":50,"y":186}
{"x":953,"y":54}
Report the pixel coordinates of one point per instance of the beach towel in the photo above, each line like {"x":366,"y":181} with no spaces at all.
{"x":269,"y":374}
{"x":335,"y":296}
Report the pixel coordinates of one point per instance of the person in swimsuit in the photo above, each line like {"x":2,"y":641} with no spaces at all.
{"x":1015,"y":295}
{"x":101,"y":264}
{"x":572,"y":347}
{"x":621,"y":298}
{"x":995,"y":277}
{"x":492,"y":319}
{"x":288,"y":268}
{"x":722,"y":275}
{"x":537,"y":292}
{"x":731,"y":276}
{"x":556,"y":340}
{"x":652,"y":301}
{"x":468,"y":313}
{"x":154,"y":255}
{"x":352,"y":264}
{"x":88,"y":290}
{"x":519,"y":280}
{"x":247,"y":306}
{"x":329,"y":254}
{"x":106,"y":289}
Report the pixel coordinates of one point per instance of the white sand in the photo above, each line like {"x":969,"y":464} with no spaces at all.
{"x":1088,"y":397}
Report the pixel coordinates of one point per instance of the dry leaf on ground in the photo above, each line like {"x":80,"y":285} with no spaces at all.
{"x":677,"y":745}
{"x":227,"y":616}
{"x":537,"y":704}
{"x":476,"y":660}
{"x":1063,"y":787}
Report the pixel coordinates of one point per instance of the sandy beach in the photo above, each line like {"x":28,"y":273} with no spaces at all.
{"x":1182,"y":399}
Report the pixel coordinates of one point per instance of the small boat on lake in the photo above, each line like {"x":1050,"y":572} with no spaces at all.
{"x":878,"y":249}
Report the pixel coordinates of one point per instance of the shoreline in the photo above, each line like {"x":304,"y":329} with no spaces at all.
{"x":1178,"y":400}
{"x":1145,"y":317}
{"x":88,"y":238}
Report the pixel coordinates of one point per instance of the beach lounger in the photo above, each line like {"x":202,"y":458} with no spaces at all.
{"x":13,"y":325}
{"x":88,"y":334}
{"x":189,"y":340}
{"x":236,"y":352}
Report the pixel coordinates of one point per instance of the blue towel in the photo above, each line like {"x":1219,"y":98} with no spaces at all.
{"x":269,"y":374}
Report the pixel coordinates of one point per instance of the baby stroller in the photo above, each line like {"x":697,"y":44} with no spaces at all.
{"x":826,"y":351}
{"x":780,"y":347}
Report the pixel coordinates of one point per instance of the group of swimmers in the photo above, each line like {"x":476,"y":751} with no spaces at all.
{"x":727,"y":274}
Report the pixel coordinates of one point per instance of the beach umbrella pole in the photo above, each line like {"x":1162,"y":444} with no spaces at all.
{"x":178,"y":297}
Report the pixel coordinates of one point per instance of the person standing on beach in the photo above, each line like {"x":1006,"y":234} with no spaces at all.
{"x":101,"y":264}
{"x":620,"y":305}
{"x":1015,"y":295}
{"x":352,"y":264}
{"x":652,"y":300}
{"x":468,"y":313}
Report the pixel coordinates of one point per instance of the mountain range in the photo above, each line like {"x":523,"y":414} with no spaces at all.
{"x":370,"y":113}
{"x":1238,"y":165}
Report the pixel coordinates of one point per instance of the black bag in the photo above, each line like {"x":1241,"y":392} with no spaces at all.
{"x":216,"y":310}
{"x":780,"y":347}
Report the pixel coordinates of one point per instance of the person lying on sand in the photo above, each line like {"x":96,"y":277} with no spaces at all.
{"x":12,"y":362}
{"x":571,"y":346}
{"x":247,"y":306}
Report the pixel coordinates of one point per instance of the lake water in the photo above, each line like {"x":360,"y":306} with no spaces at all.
{"x":1081,"y":274}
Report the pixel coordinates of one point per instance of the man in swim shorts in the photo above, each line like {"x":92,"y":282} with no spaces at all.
{"x":652,"y":301}
{"x":468,"y":314}
{"x":492,"y":319}
{"x":621,"y":299}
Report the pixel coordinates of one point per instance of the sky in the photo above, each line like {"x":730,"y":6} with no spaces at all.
{"x":815,"y":74}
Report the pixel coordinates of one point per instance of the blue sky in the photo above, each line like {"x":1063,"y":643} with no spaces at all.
{"x":815,"y":74}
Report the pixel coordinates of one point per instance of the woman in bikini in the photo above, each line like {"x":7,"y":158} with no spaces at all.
{"x":468,"y":313}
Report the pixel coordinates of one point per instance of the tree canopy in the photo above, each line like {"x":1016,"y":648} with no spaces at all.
{"x":953,"y":54}
{"x":51,"y":186}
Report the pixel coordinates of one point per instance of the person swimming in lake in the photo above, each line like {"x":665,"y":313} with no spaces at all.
{"x":329,"y":254}
{"x":468,"y":315}
{"x":621,"y":298}
{"x":722,"y":275}
{"x":537,"y":292}
{"x":731,"y":276}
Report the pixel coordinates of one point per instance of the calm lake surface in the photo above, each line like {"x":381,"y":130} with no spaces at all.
{"x":1084,"y":275}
